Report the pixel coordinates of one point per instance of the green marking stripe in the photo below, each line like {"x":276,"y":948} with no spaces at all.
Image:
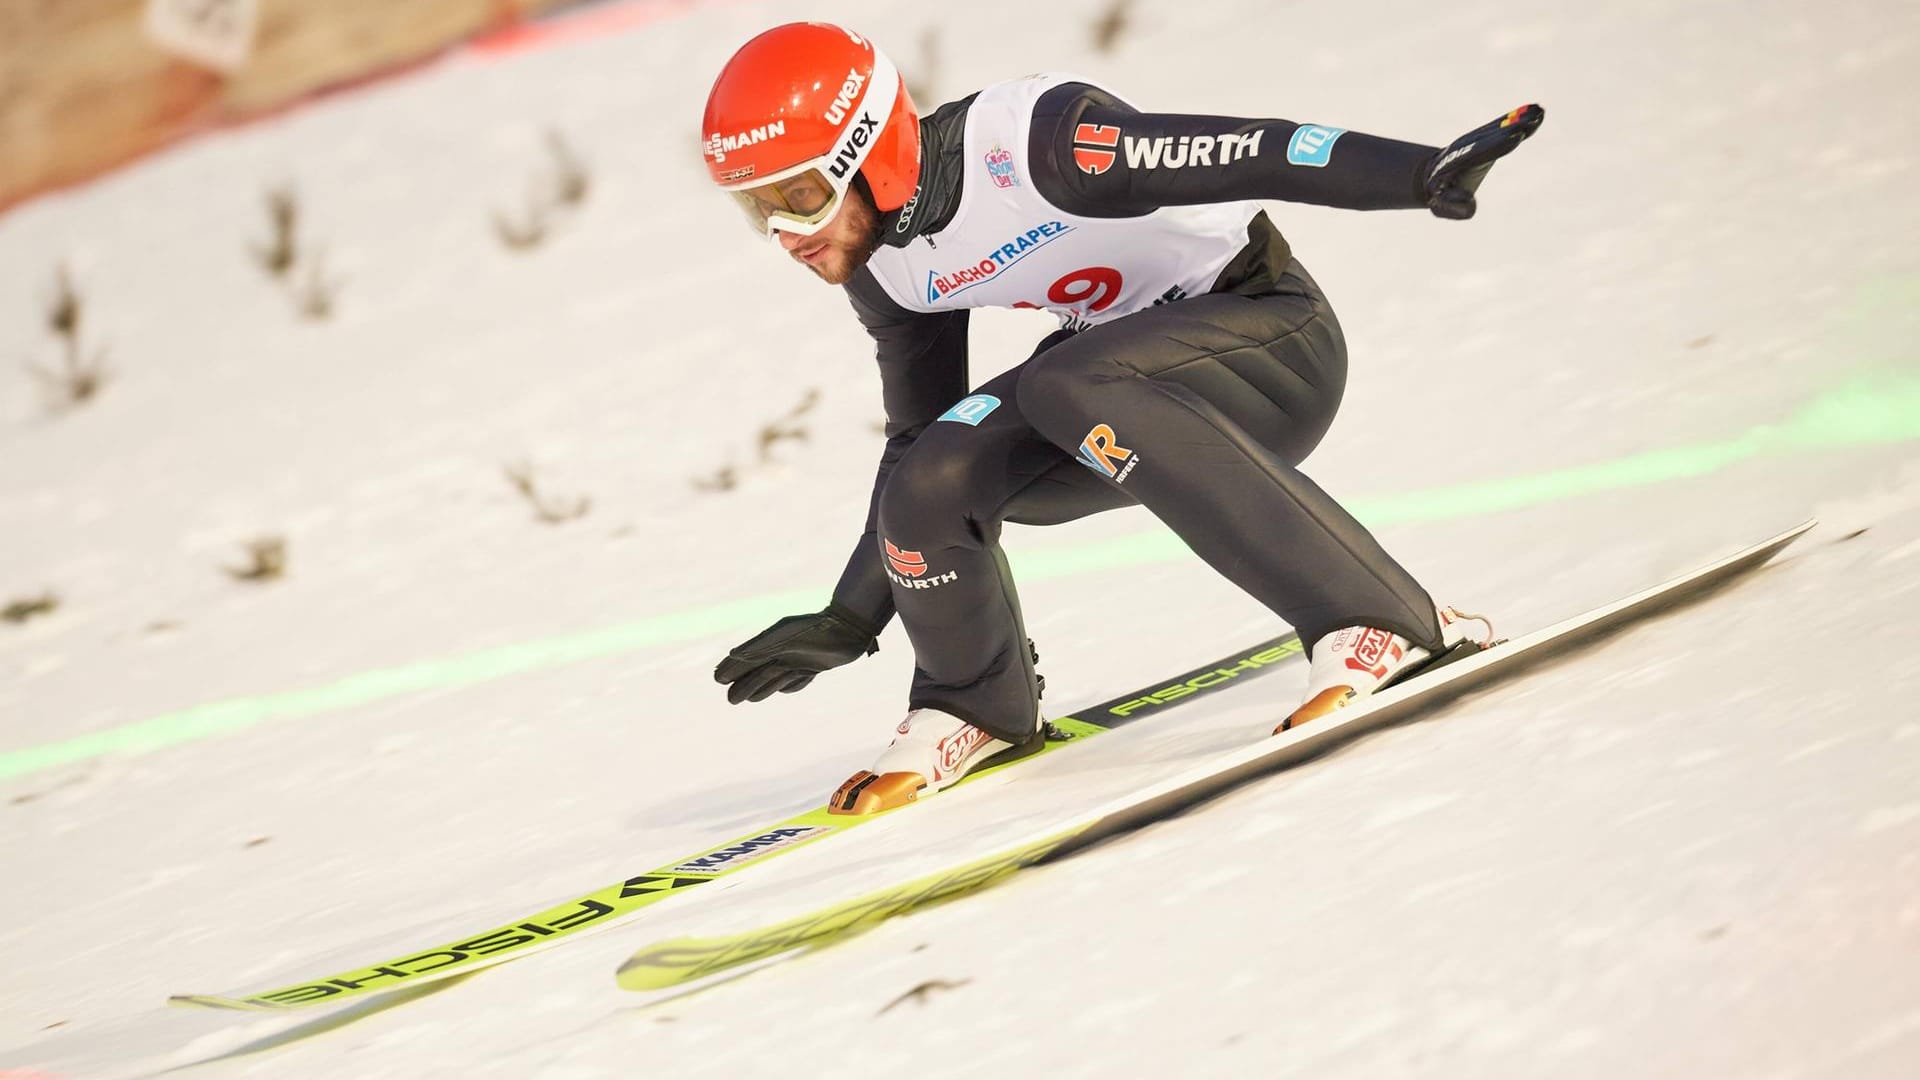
{"x":607,"y":906}
{"x":1869,"y":411}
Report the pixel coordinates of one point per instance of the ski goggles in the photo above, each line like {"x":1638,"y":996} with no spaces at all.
{"x":803,"y":198}
{"x":802,"y":201}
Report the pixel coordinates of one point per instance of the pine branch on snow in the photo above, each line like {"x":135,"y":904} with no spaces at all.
{"x":547,"y":508}
{"x":81,"y":373}
{"x":266,"y":560}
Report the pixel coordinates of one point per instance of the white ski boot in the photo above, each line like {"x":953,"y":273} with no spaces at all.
{"x":931,"y":750}
{"x":1355,"y":661}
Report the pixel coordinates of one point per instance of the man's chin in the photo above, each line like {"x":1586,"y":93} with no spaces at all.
{"x":833,"y":271}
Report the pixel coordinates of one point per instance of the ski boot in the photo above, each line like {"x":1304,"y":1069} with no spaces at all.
{"x":931,"y":751}
{"x":1355,"y":661}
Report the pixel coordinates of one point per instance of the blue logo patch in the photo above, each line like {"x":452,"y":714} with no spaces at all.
{"x":1312,"y":146}
{"x":971,"y":410}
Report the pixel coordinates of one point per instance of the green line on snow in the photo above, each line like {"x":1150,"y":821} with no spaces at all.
{"x":1859,"y":414}
{"x":1865,"y":413}
{"x":223,"y":717}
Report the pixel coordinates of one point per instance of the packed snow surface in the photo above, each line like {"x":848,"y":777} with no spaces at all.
{"x":1684,"y":319}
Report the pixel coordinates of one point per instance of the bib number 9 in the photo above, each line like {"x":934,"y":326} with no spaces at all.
{"x":1097,"y":286}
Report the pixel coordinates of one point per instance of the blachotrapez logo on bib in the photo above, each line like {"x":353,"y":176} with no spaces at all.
{"x":943,"y":286}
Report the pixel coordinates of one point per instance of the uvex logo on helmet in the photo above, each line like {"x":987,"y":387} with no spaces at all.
{"x":837,"y":112}
{"x":847,"y":157}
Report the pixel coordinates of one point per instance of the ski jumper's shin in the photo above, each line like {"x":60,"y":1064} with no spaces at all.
{"x":1200,"y":410}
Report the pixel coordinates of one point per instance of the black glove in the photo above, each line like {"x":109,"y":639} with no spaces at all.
{"x":1456,"y":172}
{"x":787,"y":655}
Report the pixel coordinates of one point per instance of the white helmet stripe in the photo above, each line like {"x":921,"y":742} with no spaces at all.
{"x":866,"y":122}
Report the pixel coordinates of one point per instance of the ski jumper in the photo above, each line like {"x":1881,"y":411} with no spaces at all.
{"x":1196,"y":366}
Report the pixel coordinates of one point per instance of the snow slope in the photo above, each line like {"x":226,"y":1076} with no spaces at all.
{"x":1684,"y":319}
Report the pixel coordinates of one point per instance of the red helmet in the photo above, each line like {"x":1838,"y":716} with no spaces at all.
{"x":797,"y":113}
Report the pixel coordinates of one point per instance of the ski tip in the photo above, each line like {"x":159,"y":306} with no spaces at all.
{"x":1766,"y":549}
{"x":684,"y":960}
{"x":640,"y":972}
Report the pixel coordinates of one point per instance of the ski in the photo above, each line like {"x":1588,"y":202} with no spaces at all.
{"x":607,"y":906}
{"x":686,"y":960}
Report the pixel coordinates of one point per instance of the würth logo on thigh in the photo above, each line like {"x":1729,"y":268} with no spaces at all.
{"x":908,"y":569}
{"x":1102,"y":453}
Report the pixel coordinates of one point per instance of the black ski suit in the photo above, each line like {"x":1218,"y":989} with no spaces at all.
{"x":1200,"y":408}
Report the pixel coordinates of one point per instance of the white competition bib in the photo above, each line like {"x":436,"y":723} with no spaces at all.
{"x":1009,"y":247}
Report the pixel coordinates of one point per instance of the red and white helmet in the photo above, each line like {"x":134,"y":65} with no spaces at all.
{"x":796,"y":114}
